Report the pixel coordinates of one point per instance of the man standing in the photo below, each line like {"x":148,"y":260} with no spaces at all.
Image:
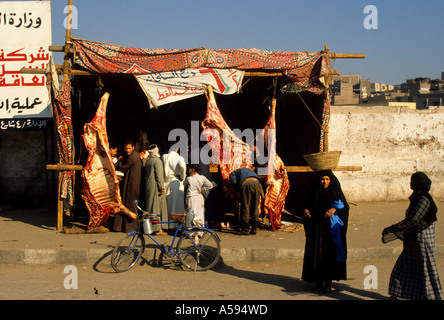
{"x":154,"y":187}
{"x":247,"y":183}
{"x":175,"y":173}
{"x":131,"y":166}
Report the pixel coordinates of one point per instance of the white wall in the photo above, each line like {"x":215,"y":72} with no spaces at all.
{"x":390,"y":143}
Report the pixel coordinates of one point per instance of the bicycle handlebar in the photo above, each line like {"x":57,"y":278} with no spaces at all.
{"x":143,"y":211}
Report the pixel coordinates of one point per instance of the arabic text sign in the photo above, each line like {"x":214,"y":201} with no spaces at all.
{"x":25,"y":30}
{"x":25,"y":124}
{"x":25,"y":22}
{"x":171,"y":86}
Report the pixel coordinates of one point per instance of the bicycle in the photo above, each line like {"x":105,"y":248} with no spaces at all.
{"x":198,"y":247}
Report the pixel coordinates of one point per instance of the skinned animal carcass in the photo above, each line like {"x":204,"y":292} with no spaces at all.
{"x":228,"y":151}
{"x":100,"y":184}
{"x":275,"y":177}
{"x":236,"y":155}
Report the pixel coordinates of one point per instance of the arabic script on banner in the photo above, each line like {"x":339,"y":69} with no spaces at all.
{"x":25,"y":30}
{"x":167,"y":87}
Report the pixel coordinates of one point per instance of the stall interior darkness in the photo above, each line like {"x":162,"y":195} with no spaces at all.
{"x":128,"y":113}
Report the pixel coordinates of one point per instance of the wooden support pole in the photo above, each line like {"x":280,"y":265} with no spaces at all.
{"x":326,"y":84}
{"x":60,"y":167}
{"x":68,"y":42}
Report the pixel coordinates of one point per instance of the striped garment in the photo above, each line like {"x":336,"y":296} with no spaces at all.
{"x":415,"y":275}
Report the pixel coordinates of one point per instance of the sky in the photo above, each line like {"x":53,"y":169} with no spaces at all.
{"x":401,"y":39}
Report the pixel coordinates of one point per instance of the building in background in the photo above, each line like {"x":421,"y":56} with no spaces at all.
{"x":418,"y":93}
{"x":349,"y":89}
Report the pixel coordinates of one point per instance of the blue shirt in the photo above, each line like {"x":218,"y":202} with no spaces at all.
{"x":238,"y":176}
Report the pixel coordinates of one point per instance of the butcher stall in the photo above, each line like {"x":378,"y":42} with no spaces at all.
{"x":149,"y":95}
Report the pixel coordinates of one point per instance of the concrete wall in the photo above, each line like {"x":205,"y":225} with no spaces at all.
{"x":390,"y":143}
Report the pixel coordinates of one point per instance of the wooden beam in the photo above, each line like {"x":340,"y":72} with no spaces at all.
{"x":92,"y":73}
{"x":57,"y":48}
{"x":333,"y":55}
{"x":61,"y":167}
{"x":32,"y":70}
{"x":215,"y":168}
{"x":308,"y":169}
{"x":74,"y":72}
{"x":60,"y":69}
{"x":262,"y":74}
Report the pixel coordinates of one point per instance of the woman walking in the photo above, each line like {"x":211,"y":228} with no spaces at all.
{"x":326,"y":218}
{"x":415,"y":275}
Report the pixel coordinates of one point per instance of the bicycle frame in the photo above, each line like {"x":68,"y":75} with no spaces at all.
{"x":179,"y":227}
{"x":197,"y":248}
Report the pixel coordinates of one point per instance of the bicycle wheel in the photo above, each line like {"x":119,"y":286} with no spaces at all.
{"x":127,"y":251}
{"x":201,"y":255}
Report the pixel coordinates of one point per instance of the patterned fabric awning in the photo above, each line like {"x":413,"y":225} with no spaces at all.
{"x":303,"y":68}
{"x":61,"y":104}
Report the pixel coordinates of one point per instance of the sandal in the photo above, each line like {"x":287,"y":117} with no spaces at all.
{"x":161,"y":233}
{"x":327,"y":287}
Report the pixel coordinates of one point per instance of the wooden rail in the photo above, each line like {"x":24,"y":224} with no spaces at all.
{"x":308,"y":169}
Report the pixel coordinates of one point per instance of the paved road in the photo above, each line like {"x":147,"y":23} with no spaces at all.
{"x":239,"y":281}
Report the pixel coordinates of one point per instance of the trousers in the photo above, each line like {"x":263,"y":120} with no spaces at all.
{"x":250,"y":194}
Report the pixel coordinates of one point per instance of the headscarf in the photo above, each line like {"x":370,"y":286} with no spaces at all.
{"x":420,"y":184}
{"x":334,"y":189}
{"x":153,"y":150}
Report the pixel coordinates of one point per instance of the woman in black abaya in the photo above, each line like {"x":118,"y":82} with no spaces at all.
{"x":325,"y":223}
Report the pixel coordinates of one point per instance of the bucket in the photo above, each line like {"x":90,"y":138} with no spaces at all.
{"x":189,"y":219}
{"x":147,"y":226}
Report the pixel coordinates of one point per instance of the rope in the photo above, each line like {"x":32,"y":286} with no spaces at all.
{"x":307,"y":107}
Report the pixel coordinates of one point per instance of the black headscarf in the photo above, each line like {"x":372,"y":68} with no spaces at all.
{"x":420,"y":184}
{"x":332,"y":193}
{"x":334,"y":188}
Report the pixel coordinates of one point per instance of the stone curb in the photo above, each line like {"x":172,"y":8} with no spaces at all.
{"x":93,"y":256}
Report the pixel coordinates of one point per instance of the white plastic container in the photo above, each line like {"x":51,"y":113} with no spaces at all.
{"x":147,"y":226}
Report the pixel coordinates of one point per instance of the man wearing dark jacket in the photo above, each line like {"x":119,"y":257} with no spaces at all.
{"x":131,"y":166}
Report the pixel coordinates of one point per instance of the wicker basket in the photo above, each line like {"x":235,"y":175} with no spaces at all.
{"x":323,"y":160}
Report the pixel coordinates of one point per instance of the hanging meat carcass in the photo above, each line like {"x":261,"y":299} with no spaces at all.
{"x":276,"y":178}
{"x":100,"y":184}
{"x":238,"y":153}
{"x":228,"y":151}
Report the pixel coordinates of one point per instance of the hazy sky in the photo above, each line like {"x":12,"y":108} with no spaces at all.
{"x":407,"y":43}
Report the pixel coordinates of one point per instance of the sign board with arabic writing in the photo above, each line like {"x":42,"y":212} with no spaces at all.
{"x":167,"y":87}
{"x":25,"y":33}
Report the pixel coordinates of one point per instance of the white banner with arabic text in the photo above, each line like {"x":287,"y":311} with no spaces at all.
{"x":167,"y":87}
